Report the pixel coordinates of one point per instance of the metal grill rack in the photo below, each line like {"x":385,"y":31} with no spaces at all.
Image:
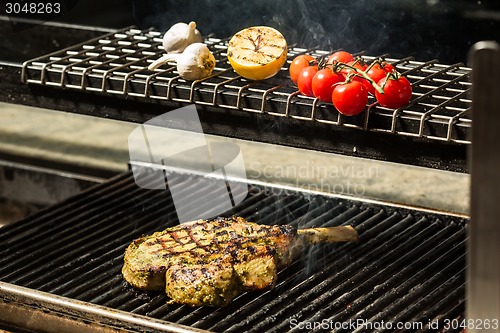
{"x":116,"y":63}
{"x":408,"y":267}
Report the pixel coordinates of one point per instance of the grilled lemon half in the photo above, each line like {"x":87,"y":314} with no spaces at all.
{"x":257,"y":53}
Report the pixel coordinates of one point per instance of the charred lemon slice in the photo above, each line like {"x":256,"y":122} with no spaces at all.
{"x":257,"y":53}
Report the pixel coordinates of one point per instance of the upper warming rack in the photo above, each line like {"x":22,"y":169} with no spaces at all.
{"x":116,"y":63}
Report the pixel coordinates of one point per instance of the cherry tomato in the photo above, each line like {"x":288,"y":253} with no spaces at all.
{"x":340,"y":56}
{"x":298,"y":64}
{"x":389,"y":68}
{"x":360,"y":65}
{"x":350,"y":98}
{"x":368,"y":86}
{"x":322,"y":84}
{"x":397,"y":92}
{"x":304,"y":81}
{"x":379,"y":71}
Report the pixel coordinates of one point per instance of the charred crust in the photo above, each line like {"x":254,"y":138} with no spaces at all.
{"x":205,"y":273}
{"x":157,"y":269}
{"x":271,"y":250}
{"x":234,"y":254}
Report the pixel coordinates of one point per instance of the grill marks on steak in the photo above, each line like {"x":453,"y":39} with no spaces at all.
{"x":209,"y":262}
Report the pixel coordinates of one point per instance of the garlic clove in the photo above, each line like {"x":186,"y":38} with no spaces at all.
{"x":180,"y":36}
{"x":162,"y":60}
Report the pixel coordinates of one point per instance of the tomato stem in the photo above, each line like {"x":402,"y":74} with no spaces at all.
{"x":362,"y":74}
{"x":393,"y":76}
{"x":322,"y":63}
{"x":337,"y":66}
{"x":376,"y":61}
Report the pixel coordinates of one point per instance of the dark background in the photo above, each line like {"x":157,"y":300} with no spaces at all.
{"x":424,"y":29}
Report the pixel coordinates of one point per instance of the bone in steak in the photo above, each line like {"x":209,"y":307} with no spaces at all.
{"x":211,"y":262}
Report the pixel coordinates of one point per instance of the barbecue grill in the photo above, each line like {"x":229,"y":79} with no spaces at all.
{"x":75,"y":250}
{"x":60,"y":267}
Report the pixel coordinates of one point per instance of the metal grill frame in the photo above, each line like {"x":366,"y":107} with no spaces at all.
{"x":116,"y":64}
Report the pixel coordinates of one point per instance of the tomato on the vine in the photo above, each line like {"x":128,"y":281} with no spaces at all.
{"x":304,"y":80}
{"x":379,"y":70}
{"x":340,"y":56}
{"x":358,"y":64}
{"x":323,"y":83}
{"x":350,"y":98}
{"x":397,"y":92}
{"x":298,"y":64}
{"x":367,"y":84}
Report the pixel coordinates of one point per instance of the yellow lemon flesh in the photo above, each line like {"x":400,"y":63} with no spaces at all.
{"x":257,"y":53}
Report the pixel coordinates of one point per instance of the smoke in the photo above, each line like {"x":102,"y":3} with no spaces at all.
{"x":316,"y":23}
{"x":326,"y":24}
{"x":432,"y":29}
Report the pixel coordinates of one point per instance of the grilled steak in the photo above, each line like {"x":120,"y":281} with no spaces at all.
{"x":210,"y":262}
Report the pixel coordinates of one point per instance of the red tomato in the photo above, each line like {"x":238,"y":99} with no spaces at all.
{"x":322,"y":84}
{"x":350,"y":98}
{"x":340,"y":56}
{"x":304,"y":81}
{"x":397,"y":92}
{"x":389,"y":68}
{"x":298,"y":64}
{"x":361,"y":66}
{"x":368,"y":86}
{"x":379,"y":71}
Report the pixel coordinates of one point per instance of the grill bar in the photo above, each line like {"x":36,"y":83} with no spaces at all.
{"x":117,"y":63}
{"x":410,"y":292}
{"x":350,"y":276}
{"x":408,"y":265}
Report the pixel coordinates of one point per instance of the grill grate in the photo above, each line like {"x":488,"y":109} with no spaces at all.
{"x":117,"y":64}
{"x":408,"y":267}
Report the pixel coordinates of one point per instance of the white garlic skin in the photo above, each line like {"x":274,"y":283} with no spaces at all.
{"x":196,"y":62}
{"x":180,"y":36}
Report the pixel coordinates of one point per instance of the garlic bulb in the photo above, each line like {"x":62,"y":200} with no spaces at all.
{"x":179,"y":36}
{"x":195,"y":63}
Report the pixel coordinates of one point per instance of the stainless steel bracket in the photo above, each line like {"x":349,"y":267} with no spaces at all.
{"x":43,"y":312}
{"x":483,"y":289}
